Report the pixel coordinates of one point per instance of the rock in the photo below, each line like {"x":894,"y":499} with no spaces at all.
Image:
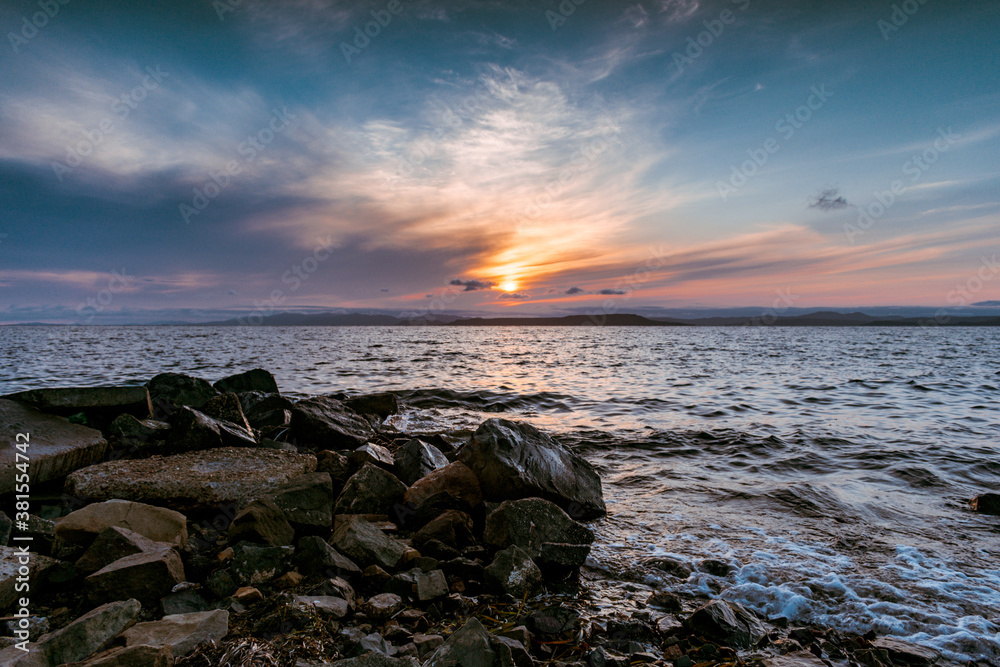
{"x":221,"y":583}
{"x":371,"y":490}
{"x":383,"y":605}
{"x":146,"y":576}
{"x":664,"y":600}
{"x":226,"y":408}
{"x":715,"y":567}
{"x":336,"y":587}
{"x":11,"y":561}
{"x":155,"y":523}
{"x":371,"y":453}
{"x":427,"y":643}
{"x":511,"y":652}
{"x":516,"y":460}
{"x":141,"y":434}
{"x":530,"y":522}
{"x":668,"y":624}
{"x":168,"y":391}
{"x":36,"y":626}
{"x":191,"y":430}
{"x":257,"y":379}
{"x":514,"y":573}
{"x":326,"y":423}
{"x":469,"y":646}
{"x":5,"y":526}
{"x":54,"y":447}
{"x":987,"y":503}
{"x":794,"y":659}
{"x":906,"y":653}
{"x":451,"y":487}
{"x":182,"y":633}
{"x":112,"y":543}
{"x":365,"y":544}
{"x":374,"y":659}
{"x":726,"y":622}
{"x":254,"y":564}
{"x":553,"y":620}
{"x":248,"y":595}
{"x":263,"y":410}
{"x":561,"y":559}
{"x":416,"y":459}
{"x":335,"y":463}
{"x":314,"y":554}
{"x":195,"y":480}
{"x":81,"y":638}
{"x":451,"y":527}
{"x":184,"y":601}
{"x":431,"y":585}
{"x":326,"y":606}
{"x":261,"y":521}
{"x":100,"y":405}
{"x":381,"y":405}
{"x":672,"y":566}
{"x":131,"y":656}
{"x":307,"y":502}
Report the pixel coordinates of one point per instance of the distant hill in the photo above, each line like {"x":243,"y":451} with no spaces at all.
{"x":613,"y":320}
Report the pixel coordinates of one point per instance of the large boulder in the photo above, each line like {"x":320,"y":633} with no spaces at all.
{"x":170,"y":390}
{"x":54,"y":447}
{"x":194,"y":480}
{"x":469,"y":646}
{"x":193,"y":430}
{"x":513,"y":572}
{"x":371,"y":490}
{"x":78,"y":640}
{"x":365,"y":544}
{"x":516,"y":460}
{"x":261,"y":521}
{"x":307,"y":502}
{"x":257,"y":379}
{"x":454,"y":486}
{"x":182,"y":633}
{"x":155,"y":523}
{"x":531,"y":523}
{"x":728,"y":623}
{"x":326,"y":423}
{"x":146,"y":576}
{"x":99,"y":405}
{"x":381,"y":405}
{"x":227,"y":408}
{"x":451,"y":527}
{"x":11,"y":561}
{"x":140,"y":434}
{"x":416,"y":459}
{"x":263,"y":410}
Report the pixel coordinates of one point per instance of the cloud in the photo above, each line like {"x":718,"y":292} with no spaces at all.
{"x":636,"y":15}
{"x":829,"y":200}
{"x":575,"y":290}
{"x":514,"y":295}
{"x":472,"y":285}
{"x":610,"y":292}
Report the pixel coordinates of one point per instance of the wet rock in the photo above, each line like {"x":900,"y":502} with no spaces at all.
{"x":454,"y":486}
{"x":365,"y":544}
{"x":431,"y":585}
{"x":141,"y":434}
{"x":371,"y":490}
{"x":11,"y":561}
{"x":112,"y":543}
{"x":56,"y":447}
{"x":602,"y":657}
{"x":726,"y":622}
{"x":514,"y":573}
{"x":146,"y":576}
{"x":314,"y":554}
{"x":672,"y":566}
{"x":226,"y":408}
{"x":265,"y":410}
{"x":664,"y":600}
{"x":987,"y":503}
{"x":254,"y":564}
{"x":326,"y":606}
{"x":902,"y":652}
{"x":326,"y":423}
{"x":261,"y":521}
{"x":307,"y":502}
{"x":416,"y":459}
{"x":381,"y":405}
{"x":451,"y":527}
{"x":469,"y":646}
{"x":195,"y":480}
{"x":794,"y":659}
{"x":553,"y":621}
{"x":383,"y":605}
{"x":715,"y":567}
{"x":516,"y":460}
{"x":257,"y":379}
{"x":192,"y":430}
{"x":100,"y":405}
{"x":561,"y":559}
{"x":372,"y":453}
{"x":80,"y":639}
{"x":155,"y":523}
{"x":168,"y":391}
{"x":181,"y":633}
{"x":530,"y":522}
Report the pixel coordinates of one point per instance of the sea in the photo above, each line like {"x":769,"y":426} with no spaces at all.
{"x":830,"y":468}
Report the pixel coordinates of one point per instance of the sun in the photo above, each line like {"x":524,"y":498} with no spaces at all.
{"x":508,"y":285}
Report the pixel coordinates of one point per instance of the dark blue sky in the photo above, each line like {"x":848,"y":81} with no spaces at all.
{"x":186,"y":160}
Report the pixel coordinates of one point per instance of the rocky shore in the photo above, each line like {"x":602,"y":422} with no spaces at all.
{"x":190,"y":523}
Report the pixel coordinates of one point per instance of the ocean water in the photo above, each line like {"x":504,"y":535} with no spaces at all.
{"x":831,"y":468}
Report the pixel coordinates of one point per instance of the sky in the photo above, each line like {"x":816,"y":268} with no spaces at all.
{"x":189,"y":161}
